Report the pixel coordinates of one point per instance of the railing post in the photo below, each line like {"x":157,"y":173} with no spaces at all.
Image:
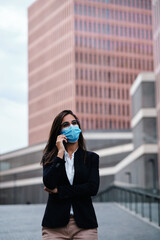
{"x":159,"y":212}
{"x":150,"y":210}
{"x":125,"y":198}
{"x":136,"y":209}
{"x":130,"y":196}
{"x":142,"y":206}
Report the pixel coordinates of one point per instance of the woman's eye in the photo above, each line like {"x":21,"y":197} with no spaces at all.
{"x":74,"y":122}
{"x":65,"y":125}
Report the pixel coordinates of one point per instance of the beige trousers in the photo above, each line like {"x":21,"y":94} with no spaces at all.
{"x":70,"y":232}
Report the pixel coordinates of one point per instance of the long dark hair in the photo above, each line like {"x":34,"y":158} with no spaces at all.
{"x":51,"y":150}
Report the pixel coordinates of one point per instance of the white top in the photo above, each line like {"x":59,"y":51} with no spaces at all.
{"x":69,"y":166}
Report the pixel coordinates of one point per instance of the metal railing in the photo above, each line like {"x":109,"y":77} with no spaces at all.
{"x":143,"y":203}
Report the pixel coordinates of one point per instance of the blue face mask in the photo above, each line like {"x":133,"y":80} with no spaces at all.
{"x":71,"y":133}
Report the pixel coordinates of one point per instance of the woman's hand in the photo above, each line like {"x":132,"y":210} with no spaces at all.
{"x":60,"y":145}
{"x":55,"y":190}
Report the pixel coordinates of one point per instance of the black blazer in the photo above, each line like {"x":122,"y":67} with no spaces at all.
{"x":85,"y":185}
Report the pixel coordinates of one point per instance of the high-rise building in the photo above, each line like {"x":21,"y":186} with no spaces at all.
{"x":156,"y":38}
{"x":84,"y":55}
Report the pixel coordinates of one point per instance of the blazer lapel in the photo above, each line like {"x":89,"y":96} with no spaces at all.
{"x":78,"y":157}
{"x":66,"y":177}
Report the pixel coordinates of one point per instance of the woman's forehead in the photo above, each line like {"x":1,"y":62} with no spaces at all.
{"x":68,"y":117}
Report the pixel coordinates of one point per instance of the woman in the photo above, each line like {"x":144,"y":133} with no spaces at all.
{"x":71,"y":176}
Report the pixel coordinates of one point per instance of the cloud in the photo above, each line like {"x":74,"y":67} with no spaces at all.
{"x":13,"y":20}
{"x":13,"y":125}
{"x":13,"y":72}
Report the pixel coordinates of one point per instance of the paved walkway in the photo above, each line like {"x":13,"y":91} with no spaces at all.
{"x":23,"y":222}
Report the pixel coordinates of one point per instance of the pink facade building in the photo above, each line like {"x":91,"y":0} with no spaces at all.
{"x":84,"y":55}
{"x":156,"y":38}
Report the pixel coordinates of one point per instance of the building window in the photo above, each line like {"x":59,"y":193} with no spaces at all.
{"x":87,"y":107}
{"x":103,"y":44}
{"x":87,"y":124}
{"x":76,"y":57}
{"x":91,"y":123}
{"x":96,"y":108}
{"x":151,"y":34}
{"x":109,"y":92}
{"x":103,"y":28}
{"x":77,"y":73}
{"x":89,"y":11}
{"x":91,"y":91}
{"x":105,"y":108}
{"x":108,"y":29}
{"x":85,"y":41}
{"x":81,"y":90}
{"x":105,"y":76}
{"x":100,"y":92}
{"x":104,"y":60}
{"x":82,"y":121}
{"x":94,"y":27}
{"x":103,"y":13}
{"x":150,"y":19}
{"x":85,"y":26}
{"x":109,"y":76}
{"x":95,"y":75}
{"x":100,"y":76}
{"x":107,"y":13}
{"x":90,"y":58}
{"x":77,"y":90}
{"x":99,"y":12}
{"x":108,"y":45}
{"x":76,"y":40}
{"x":81,"y":57}
{"x":99,"y":43}
{"x":86,"y":74}
{"x":96,"y":123}
{"x":130,"y":32}
{"x":119,"y":110}
{"x":81,"y":41}
{"x":95,"y":43}
{"x":80,"y":9}
{"x":110,"y":110}
{"x":99,"y":28}
{"x":120,"y":14}
{"x":95,"y":91}
{"x":101,"y":124}
{"x":77,"y":106}
{"x":90,"y":75}
{"x":105,"y":92}
{"x":80,"y":25}
{"x":86,"y":58}
{"x":91,"y":107}
{"x":142,"y":19}
{"x":90,"y":42}
{"x":90,"y":27}
{"x":105,"y":123}
{"x":133,"y":17}
{"x":81,"y":74}
{"x":75,"y":8}
{"x":82,"y":110}
{"x":94,"y":12}
{"x":85,"y":10}
{"x":146,"y":19}
{"x":75,"y":25}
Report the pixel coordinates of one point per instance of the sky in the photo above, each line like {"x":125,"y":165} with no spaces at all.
{"x":13,"y":75}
